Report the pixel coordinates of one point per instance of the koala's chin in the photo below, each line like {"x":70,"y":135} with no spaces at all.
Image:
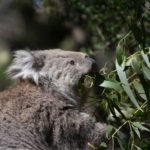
{"x":40,"y":111}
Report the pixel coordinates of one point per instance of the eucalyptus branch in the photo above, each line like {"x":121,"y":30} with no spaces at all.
{"x":127,"y":121}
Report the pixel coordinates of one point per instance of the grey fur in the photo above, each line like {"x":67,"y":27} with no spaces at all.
{"x":40,"y":112}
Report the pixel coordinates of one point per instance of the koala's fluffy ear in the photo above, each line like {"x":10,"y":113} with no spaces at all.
{"x":25,"y":66}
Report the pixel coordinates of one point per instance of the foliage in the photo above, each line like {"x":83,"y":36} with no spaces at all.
{"x":129,"y":87}
{"x":105,"y":21}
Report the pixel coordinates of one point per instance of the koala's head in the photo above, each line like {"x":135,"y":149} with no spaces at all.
{"x":60,"y":69}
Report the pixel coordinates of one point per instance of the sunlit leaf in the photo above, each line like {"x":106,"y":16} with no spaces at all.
{"x":125,"y":85}
{"x":136,"y":130}
{"x":138,"y":148}
{"x":112,"y":85}
{"x":146,"y":72}
{"x":138,"y":125}
{"x":145,"y":57}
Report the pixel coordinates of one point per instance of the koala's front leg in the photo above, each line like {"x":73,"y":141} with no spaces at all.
{"x":73,"y":130}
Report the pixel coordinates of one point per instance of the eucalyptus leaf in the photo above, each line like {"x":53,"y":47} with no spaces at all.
{"x":138,"y":148}
{"x":145,"y":57}
{"x":131,"y":139}
{"x":112,"y":85}
{"x":138,"y":125}
{"x":139,"y":88}
{"x":125,"y":85}
{"x":119,"y":54}
{"x":136,"y":65}
{"x":88,"y":81}
{"x":146,"y":72}
{"x":136,"y":130}
{"x":110,"y":104}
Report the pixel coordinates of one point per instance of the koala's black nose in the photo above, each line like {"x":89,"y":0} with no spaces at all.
{"x":91,"y":61}
{"x":94,"y":66}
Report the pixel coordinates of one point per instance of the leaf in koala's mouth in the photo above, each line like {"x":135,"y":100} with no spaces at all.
{"x":91,"y":79}
{"x":88,"y":81}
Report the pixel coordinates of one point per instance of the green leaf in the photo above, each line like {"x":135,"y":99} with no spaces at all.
{"x":119,"y":54}
{"x":104,"y":69}
{"x":146,"y":72}
{"x":135,"y":64}
{"x":146,"y":86}
{"x":103,"y":144}
{"x":110,"y":104}
{"x":131,"y":139}
{"x":139,"y":88}
{"x":138,"y":125}
{"x":138,"y":148}
{"x":145,"y":57}
{"x":112,"y":85}
{"x":109,"y":129}
{"x":125,"y":85}
{"x":136,"y":131}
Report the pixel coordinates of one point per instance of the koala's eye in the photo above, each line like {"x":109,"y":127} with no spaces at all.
{"x":72,"y":62}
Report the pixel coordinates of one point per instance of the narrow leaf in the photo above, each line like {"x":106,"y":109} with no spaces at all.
{"x":112,"y":85}
{"x":131,"y":139}
{"x":146,"y":72}
{"x":138,"y":148}
{"x":135,"y":64}
{"x":145,"y":57}
{"x":138,"y":125}
{"x":119,"y":54}
{"x":139,"y":88}
{"x":136,"y":130}
{"x":123,"y":79}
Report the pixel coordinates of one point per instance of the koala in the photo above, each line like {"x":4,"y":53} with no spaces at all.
{"x":40,"y":112}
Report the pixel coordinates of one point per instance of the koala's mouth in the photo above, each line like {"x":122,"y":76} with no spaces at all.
{"x":90,"y":79}
{"x":87,"y":80}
